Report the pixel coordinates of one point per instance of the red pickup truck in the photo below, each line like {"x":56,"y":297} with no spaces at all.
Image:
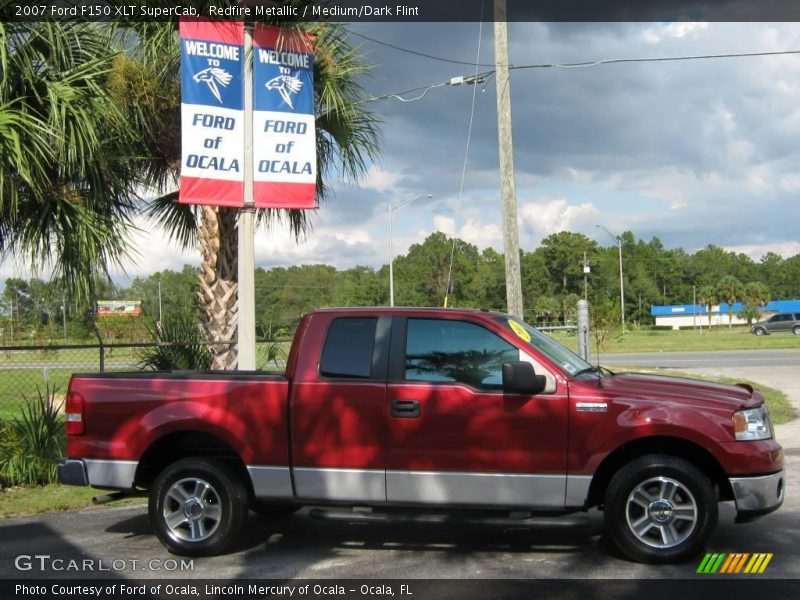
{"x":402,"y":410}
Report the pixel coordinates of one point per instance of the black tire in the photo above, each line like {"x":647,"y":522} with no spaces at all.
{"x":760,"y":331}
{"x":660,"y":509}
{"x":274,"y":511}
{"x":209,"y":501}
{"x":796,"y":330}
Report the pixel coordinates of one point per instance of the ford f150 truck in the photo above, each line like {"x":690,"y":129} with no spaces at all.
{"x":400,"y":410}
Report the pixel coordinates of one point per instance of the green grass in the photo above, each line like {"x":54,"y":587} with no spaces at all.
{"x":780,"y":407}
{"x":719,"y":338}
{"x":50,"y":498}
{"x":14,"y":383}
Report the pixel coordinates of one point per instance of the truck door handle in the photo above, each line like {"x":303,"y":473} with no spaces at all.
{"x":405,"y":409}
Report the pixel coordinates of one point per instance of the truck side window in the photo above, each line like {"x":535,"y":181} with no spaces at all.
{"x":456,"y":351}
{"x":348,"y":348}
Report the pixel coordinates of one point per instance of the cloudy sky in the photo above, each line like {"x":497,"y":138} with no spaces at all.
{"x":694,"y":152}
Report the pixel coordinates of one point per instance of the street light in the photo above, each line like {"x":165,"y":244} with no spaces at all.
{"x":392,"y":208}
{"x":621,"y":284}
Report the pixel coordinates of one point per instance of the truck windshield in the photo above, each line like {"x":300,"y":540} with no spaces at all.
{"x":560,"y":355}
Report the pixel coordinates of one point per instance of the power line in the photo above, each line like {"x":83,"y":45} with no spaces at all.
{"x":609,"y":61}
{"x":588,"y":63}
{"x":477,"y":79}
{"x":482,"y":78}
{"x":466,"y":156}
{"x":417,"y":53}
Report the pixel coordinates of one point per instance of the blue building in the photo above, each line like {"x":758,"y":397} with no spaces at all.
{"x":693,"y":315}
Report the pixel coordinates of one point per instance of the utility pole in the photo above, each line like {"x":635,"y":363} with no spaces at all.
{"x":505,"y":143}
{"x":246,"y":325}
{"x":160,"y":316}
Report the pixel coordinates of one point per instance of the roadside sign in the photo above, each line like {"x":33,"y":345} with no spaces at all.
{"x":212,"y":112}
{"x":284,"y":138}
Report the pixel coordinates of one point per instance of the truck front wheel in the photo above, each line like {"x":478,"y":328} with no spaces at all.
{"x":197,"y":507}
{"x":660,"y":509}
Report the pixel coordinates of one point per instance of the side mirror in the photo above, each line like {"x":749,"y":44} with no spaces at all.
{"x":520,"y":378}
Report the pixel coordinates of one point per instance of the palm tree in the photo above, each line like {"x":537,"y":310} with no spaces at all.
{"x":707,"y":296}
{"x":756,"y":293}
{"x":67,"y":183}
{"x":730,"y":290}
{"x":347,"y":142}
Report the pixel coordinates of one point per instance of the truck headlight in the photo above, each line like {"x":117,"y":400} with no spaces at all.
{"x":752,"y":424}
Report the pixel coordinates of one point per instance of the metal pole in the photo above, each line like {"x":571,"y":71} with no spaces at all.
{"x":391,"y":261}
{"x":583,"y":330}
{"x":621,"y":285}
{"x":246,"y":326}
{"x":506,"y":149}
{"x":160,"y":316}
{"x":64,"y":315}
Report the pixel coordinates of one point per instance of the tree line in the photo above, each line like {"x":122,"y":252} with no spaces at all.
{"x":552,"y":282}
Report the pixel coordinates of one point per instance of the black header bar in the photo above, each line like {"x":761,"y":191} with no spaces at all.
{"x":410,"y":11}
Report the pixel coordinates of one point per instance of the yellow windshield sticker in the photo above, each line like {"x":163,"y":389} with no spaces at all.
{"x":519,"y":330}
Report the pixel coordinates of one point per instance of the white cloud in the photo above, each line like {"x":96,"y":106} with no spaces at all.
{"x":546,"y":216}
{"x":676,"y":30}
{"x":756,"y":251}
{"x":154,"y":252}
{"x":379,"y":180}
{"x":444,"y":224}
{"x":481,"y":234}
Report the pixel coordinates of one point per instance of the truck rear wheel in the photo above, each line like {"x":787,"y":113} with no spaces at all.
{"x":198,"y":506}
{"x":660,"y":509}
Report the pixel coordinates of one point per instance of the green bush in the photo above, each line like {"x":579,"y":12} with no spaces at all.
{"x":274,"y":353}
{"x":180,"y":346}
{"x":31,"y":443}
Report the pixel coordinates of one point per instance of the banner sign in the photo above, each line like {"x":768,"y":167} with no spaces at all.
{"x":119,"y":308}
{"x":212,"y":112}
{"x":284,"y":138}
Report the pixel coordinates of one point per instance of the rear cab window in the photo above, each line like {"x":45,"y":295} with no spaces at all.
{"x":349,"y":347}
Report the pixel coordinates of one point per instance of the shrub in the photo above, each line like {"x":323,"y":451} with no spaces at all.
{"x":274,"y":354}
{"x":180,"y":346}
{"x":31,"y":443}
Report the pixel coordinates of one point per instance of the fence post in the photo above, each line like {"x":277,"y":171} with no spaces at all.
{"x":583,"y":330}
{"x":102,"y":350}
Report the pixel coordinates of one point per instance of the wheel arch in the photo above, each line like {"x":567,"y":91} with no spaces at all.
{"x":672,"y":446}
{"x":177,"y":445}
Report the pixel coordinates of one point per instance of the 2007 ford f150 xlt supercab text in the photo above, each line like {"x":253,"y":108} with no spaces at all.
{"x":404,"y":410}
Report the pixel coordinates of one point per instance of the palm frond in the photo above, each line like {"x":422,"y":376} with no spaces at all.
{"x":180,"y":221}
{"x":67,"y":178}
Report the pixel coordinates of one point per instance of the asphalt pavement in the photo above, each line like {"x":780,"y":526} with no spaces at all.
{"x":695,"y":360}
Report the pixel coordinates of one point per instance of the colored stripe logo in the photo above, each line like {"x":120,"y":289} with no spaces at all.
{"x":735,"y":563}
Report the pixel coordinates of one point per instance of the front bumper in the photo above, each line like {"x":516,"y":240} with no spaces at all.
{"x":72,"y":472}
{"x":757,"y":496}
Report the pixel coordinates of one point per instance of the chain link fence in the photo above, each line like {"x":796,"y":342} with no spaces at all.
{"x":27,"y":370}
